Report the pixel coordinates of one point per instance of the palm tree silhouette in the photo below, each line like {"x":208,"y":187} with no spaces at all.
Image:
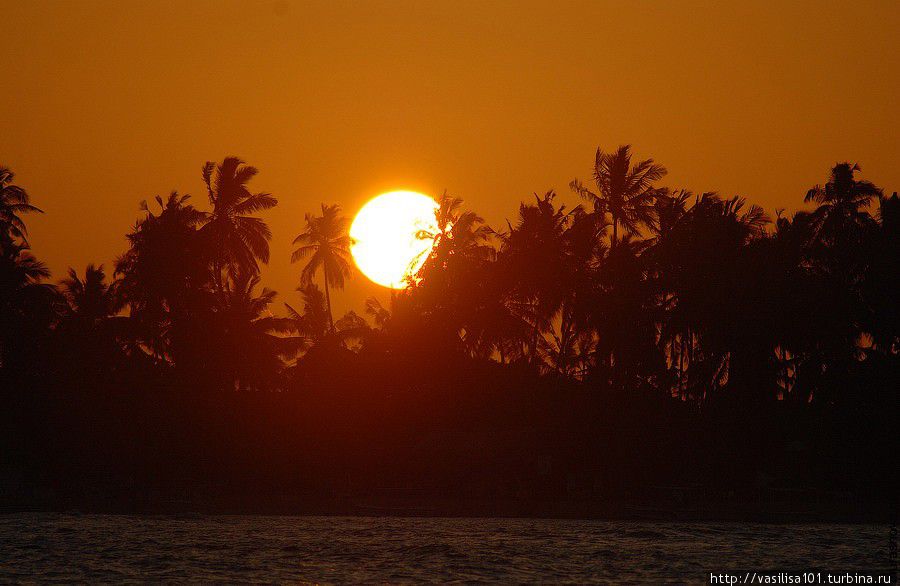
{"x":26,"y":304}
{"x":456,"y":288}
{"x":884,"y":314}
{"x":312,"y":323}
{"x":842,"y":202}
{"x":165,"y":272}
{"x":326,"y":242}
{"x":250,"y":348}
{"x":460,"y":232}
{"x":164,"y":256}
{"x":89,"y":326}
{"x":311,"y":327}
{"x":497,"y":322}
{"x":90,"y":299}
{"x":625,"y":192}
{"x":698,"y":267}
{"x":535,"y":254}
{"x":352,"y":330}
{"x":13,"y":201}
{"x":669,"y":207}
{"x":239,"y":240}
{"x":378,"y":312}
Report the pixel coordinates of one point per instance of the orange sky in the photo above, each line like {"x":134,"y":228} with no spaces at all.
{"x":107,"y":103}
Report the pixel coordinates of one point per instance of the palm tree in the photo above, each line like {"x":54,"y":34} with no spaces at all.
{"x":842,"y":201}
{"x":625,"y":192}
{"x":535,"y":255}
{"x":326,"y":242}
{"x":19,"y":271}
{"x":451,"y":286}
{"x":311,"y":328}
{"x":165,"y":272}
{"x":13,"y":201}
{"x":460,"y":232}
{"x":459,"y":287}
{"x":352,"y":330}
{"x":249,"y":349}
{"x":26,"y":304}
{"x":379,"y":314}
{"x":669,"y":207}
{"x":93,"y":337}
{"x":883,"y":277}
{"x":495,"y":322}
{"x":90,"y":299}
{"x":700,"y":267}
{"x":238,"y":239}
{"x":312,"y":324}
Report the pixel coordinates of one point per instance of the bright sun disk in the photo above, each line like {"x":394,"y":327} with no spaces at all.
{"x":386,"y":236}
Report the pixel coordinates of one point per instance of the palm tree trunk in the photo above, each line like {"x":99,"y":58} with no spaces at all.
{"x":328,"y":300}
{"x":565,"y":337}
{"x":615,"y":234}
{"x":219,"y":266}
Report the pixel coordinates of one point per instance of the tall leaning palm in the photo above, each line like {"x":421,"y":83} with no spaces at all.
{"x":13,"y":202}
{"x":326,"y":244}
{"x":624,"y":191}
{"x":237,"y":239}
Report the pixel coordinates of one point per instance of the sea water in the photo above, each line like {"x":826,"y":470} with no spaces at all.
{"x":115,"y":548}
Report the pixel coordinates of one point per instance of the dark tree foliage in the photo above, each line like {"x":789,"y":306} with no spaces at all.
{"x":591,"y":355}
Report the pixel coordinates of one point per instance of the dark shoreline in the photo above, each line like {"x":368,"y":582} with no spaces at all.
{"x":878,"y":513}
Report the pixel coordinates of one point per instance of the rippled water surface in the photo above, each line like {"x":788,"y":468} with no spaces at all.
{"x":110,"y":548}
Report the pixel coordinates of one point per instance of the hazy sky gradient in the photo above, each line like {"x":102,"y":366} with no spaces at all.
{"x":108,"y":103}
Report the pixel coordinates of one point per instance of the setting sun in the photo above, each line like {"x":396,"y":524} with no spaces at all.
{"x":386,"y":235}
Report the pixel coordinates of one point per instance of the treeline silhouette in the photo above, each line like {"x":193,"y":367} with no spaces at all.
{"x":649,"y":346}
